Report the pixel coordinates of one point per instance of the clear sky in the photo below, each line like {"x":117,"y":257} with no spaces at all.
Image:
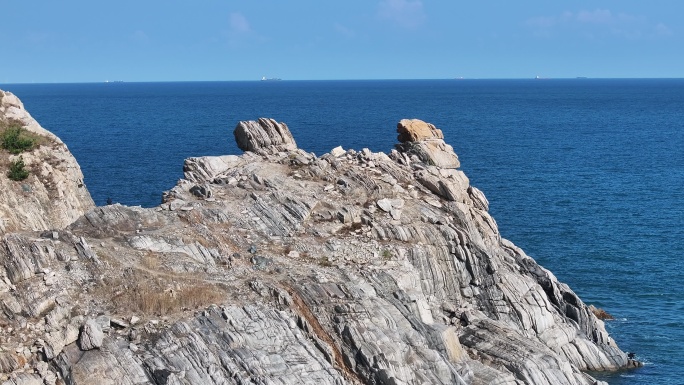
{"x":171,"y":40}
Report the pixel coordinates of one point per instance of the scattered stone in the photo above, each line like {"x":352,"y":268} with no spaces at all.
{"x":91,"y":335}
{"x":337,"y":152}
{"x":118,"y":323}
{"x":388,"y":205}
{"x":202,"y":191}
{"x":105,"y":323}
{"x":261,"y":263}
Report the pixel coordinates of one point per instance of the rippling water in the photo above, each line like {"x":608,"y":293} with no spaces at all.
{"x":587,"y":176}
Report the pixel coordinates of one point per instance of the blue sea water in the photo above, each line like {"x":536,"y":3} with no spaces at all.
{"x":586,"y":175}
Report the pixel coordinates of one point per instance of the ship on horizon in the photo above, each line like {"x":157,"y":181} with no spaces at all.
{"x":265,"y":79}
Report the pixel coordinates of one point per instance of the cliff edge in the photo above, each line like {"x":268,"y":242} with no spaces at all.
{"x":280,"y":266}
{"x":53,"y":195}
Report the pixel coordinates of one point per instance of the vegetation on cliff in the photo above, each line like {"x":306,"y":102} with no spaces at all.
{"x":17,"y":170}
{"x":15,"y":139}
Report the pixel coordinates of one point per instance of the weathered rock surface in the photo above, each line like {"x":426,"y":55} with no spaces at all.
{"x":350,"y":268}
{"x":416,"y":130}
{"x":91,"y":335}
{"x":425,"y":141}
{"x":54,"y":195}
{"x":264,"y":133}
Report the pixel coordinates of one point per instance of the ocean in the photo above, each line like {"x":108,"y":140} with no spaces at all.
{"x":586,"y":175}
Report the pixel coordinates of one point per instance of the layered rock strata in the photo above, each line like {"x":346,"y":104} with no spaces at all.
{"x":54,"y":195}
{"x":264,"y":134}
{"x":278,"y":266}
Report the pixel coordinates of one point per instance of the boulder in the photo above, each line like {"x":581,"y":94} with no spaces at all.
{"x":416,"y":130}
{"x":91,"y":335}
{"x":255,"y":135}
{"x":425,"y":141}
{"x":337,"y":152}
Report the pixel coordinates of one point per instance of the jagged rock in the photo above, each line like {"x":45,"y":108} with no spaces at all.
{"x":10,"y":362}
{"x":54,"y":342}
{"x":424,"y":141}
{"x":388,"y":204}
{"x":479,"y":199}
{"x":207,"y":168}
{"x":48,"y":376}
{"x":91,"y":335}
{"x":452,"y":186}
{"x":25,"y":379}
{"x":252,"y":136}
{"x":17,"y":259}
{"x":337,"y":152}
{"x":335,"y":290}
{"x":114,"y":364}
{"x":202,"y":191}
{"x":119,"y":323}
{"x":416,"y":130}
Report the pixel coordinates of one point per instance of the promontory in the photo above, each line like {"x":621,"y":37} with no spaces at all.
{"x":278,"y":266}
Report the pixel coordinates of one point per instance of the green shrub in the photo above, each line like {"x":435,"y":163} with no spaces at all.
{"x":17,"y":170}
{"x":14,"y":140}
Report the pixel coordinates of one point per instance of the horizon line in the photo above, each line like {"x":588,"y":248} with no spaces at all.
{"x":358,"y":79}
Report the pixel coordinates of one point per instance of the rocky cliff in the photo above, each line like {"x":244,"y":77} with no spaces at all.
{"x":281,"y":267}
{"x":54,"y":195}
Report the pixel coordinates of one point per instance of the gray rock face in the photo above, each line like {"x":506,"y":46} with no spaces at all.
{"x":264,"y":133}
{"x":352,"y":268}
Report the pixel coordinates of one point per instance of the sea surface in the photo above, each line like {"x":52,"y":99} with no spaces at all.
{"x":586,"y":175}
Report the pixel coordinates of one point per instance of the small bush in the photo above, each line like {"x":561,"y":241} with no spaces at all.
{"x":17,"y":170}
{"x":15,"y":140}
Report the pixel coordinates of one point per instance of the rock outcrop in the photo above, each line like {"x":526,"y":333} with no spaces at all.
{"x":426,"y":142}
{"x":277,"y":266}
{"x":263,"y":134}
{"x":54,"y":195}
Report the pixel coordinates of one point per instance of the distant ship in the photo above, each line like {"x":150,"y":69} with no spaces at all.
{"x":265,"y":79}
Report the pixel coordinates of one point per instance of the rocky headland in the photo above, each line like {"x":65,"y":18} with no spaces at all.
{"x":278,"y":266}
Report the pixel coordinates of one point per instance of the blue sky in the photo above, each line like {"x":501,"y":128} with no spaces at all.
{"x":172,"y":40}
